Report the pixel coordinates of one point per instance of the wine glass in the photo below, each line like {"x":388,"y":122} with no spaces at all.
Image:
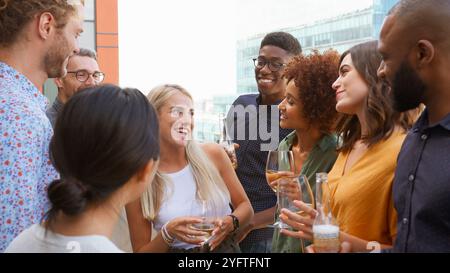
{"x":205,"y":210}
{"x":297,"y":189}
{"x":279,"y":170}
{"x":226,"y":142}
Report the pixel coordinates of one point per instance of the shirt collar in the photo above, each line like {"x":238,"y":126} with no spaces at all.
{"x":259,"y":98}
{"x":422,"y":123}
{"x":9,"y":73}
{"x":290,"y":139}
{"x":446,"y":122}
{"x":57,"y":104}
{"x":325,"y":143}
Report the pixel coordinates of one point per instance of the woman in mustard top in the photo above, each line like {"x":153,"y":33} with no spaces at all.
{"x":371,"y":135}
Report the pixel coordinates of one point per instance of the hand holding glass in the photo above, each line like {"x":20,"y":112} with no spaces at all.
{"x":297,"y":189}
{"x":209,"y":217}
{"x":280,"y":169}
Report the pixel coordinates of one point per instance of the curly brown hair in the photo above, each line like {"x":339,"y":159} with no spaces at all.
{"x":15,"y":14}
{"x":314,"y":75}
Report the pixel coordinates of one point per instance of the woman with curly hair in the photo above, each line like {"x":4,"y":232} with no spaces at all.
{"x":361,"y":179}
{"x":309,"y":109}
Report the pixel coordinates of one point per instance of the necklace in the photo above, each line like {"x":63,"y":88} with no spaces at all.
{"x":301,"y":149}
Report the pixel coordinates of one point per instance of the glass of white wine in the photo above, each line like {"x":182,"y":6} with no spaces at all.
{"x":280,"y":169}
{"x":205,"y":210}
{"x":297,"y":189}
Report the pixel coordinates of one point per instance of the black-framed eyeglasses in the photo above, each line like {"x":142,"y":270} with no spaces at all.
{"x":273,"y":66}
{"x":83,"y":75}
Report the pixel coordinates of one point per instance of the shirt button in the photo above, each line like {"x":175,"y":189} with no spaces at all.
{"x":424,"y":137}
{"x":405,"y":221}
{"x":411,"y":178}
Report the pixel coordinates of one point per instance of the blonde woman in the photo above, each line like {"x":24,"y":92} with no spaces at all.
{"x":187,"y":172}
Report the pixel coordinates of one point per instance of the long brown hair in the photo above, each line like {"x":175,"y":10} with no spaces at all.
{"x":381,"y":118}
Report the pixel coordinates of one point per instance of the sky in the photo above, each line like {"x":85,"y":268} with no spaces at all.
{"x":266,"y":15}
{"x":193,"y":43}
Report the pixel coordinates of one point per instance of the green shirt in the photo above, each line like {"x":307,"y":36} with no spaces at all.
{"x":320,"y":159}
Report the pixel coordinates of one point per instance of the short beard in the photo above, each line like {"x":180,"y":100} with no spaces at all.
{"x":407,"y":88}
{"x":54,"y":61}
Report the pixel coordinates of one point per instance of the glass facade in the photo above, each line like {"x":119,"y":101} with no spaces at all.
{"x":380,"y":10}
{"x":206,"y":122}
{"x":246,"y":51}
{"x":207,"y":115}
{"x":335,"y":33}
{"x":206,"y":129}
{"x":339,"y":33}
{"x":86,"y":40}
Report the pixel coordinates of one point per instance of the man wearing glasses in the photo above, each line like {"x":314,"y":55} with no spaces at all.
{"x":82,"y":72}
{"x":276,"y":50}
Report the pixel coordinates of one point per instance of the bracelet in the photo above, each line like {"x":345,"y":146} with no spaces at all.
{"x":167,"y":232}
{"x":166,"y":236}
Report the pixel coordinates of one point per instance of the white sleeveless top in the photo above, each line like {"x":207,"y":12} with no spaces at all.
{"x":179,"y":201}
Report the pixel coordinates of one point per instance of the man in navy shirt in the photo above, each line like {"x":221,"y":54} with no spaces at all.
{"x":262,"y":133}
{"x":415,"y":45}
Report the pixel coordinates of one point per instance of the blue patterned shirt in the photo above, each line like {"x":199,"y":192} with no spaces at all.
{"x":25,"y":168}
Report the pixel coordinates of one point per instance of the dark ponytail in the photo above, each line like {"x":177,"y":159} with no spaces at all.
{"x":68,"y":195}
{"x":103,"y":136}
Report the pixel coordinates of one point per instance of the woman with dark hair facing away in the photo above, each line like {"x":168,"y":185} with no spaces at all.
{"x":361,"y":179}
{"x":106,"y":148}
{"x":309,"y":109}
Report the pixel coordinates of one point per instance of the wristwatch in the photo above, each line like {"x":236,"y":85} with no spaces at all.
{"x":235,"y":222}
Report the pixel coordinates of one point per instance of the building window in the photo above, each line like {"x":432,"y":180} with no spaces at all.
{"x":87,"y":38}
{"x":89,"y":10}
